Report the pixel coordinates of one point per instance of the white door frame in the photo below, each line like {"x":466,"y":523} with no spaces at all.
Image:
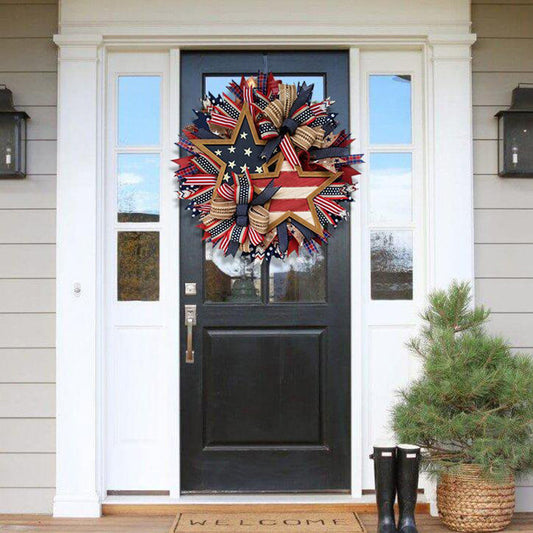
{"x":81,"y":170}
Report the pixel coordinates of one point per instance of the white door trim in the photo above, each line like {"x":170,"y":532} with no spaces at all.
{"x":80,"y":483}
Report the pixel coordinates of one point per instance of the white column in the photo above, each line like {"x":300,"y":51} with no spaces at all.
{"x":77,"y":216}
{"x":451,"y":224}
{"x":450,"y":169}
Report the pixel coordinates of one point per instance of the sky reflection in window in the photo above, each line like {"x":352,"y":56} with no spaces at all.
{"x":139,"y":102}
{"x":138,"y":187}
{"x":390,"y":188}
{"x":390,"y":109}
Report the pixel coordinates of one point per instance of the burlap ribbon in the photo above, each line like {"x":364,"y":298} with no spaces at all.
{"x":284,"y":116}
{"x":258,"y":216}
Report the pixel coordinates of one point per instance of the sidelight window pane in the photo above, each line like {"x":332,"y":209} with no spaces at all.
{"x":390,"y":109}
{"x":138,"y":187}
{"x":299,"y":278}
{"x":139,"y":105}
{"x":390,"y":188}
{"x":391,"y":262}
{"x":230,"y":279}
{"x":138,"y":265}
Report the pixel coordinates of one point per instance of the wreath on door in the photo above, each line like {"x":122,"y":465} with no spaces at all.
{"x":266,"y":174}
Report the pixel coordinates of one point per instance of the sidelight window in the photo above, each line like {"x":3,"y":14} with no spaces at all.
{"x":137,"y":156}
{"x":390,"y":202}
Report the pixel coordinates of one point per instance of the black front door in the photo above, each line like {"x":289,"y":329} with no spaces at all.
{"x":265,"y":406}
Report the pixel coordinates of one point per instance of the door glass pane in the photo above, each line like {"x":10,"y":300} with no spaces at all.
{"x":230,"y":279}
{"x":298,"y":278}
{"x":138,"y":187}
{"x":318,"y":90}
{"x":139,"y":103}
{"x":138,"y":265}
{"x":219,"y":84}
{"x":391,"y":253}
{"x":390,"y":188}
{"x":390,"y":109}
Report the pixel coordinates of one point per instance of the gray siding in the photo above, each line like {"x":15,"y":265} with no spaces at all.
{"x":28,"y":66}
{"x":502,"y":58}
{"x":503,"y":207}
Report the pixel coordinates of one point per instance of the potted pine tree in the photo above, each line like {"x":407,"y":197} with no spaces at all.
{"x":471,"y":411}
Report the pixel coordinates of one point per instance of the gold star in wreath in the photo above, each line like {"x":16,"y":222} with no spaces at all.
{"x":294,"y":188}
{"x":243,"y":148}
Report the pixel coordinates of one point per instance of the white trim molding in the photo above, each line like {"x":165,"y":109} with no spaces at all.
{"x":81,"y":141}
{"x":77,"y":279}
{"x":450,"y":169}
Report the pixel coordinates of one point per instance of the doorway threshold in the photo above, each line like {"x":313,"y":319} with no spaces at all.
{"x":170,"y":506}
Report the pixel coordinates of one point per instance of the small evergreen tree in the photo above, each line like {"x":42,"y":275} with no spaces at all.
{"x":473,"y":403}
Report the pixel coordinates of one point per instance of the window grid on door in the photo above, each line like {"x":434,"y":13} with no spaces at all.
{"x":137,"y":161}
{"x":389,"y":159}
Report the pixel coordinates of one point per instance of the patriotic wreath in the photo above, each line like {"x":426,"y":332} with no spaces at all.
{"x":266,"y":173}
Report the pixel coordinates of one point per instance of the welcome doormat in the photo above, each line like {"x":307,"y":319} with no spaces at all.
{"x":312,"y":521}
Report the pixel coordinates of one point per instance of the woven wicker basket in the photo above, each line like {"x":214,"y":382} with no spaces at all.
{"x":467,"y":502}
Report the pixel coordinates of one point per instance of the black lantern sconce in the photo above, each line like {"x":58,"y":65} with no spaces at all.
{"x":12,"y":137}
{"x":515,"y":135}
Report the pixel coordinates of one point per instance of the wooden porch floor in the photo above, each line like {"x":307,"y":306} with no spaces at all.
{"x":522,"y":522}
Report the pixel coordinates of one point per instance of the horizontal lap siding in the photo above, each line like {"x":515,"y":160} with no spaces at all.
{"x":502,"y":59}
{"x":28,"y":66}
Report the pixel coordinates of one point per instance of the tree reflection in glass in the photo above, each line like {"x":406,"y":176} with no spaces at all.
{"x":230,"y":279}
{"x":299,"y":278}
{"x":391,"y":260}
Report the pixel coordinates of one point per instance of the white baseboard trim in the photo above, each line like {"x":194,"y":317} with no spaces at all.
{"x":77,"y":506}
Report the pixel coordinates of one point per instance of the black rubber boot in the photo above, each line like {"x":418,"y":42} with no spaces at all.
{"x":385,"y":477}
{"x":408,"y":463}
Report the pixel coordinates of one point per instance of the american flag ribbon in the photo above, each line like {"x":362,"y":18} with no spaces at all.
{"x":222,"y":120}
{"x":200,"y":180}
{"x":335,"y":191}
{"x":255,"y":237}
{"x":289,"y":152}
{"x":229,"y":107}
{"x":261,"y":101}
{"x":266,"y":129}
{"x":328,"y":205}
{"x":201,"y":195}
{"x":247,"y":93}
{"x":205,"y":164}
{"x":226,"y":191}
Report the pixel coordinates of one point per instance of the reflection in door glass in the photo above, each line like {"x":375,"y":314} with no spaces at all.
{"x":390,"y":188}
{"x":391,"y":261}
{"x":230,"y":279}
{"x":390,"y":109}
{"x":139,"y":102}
{"x":138,"y":266}
{"x":138,"y":187}
{"x":219,"y":84}
{"x":298,"y":278}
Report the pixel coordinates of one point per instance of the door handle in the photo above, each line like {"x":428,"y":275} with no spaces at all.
{"x":190,"y":321}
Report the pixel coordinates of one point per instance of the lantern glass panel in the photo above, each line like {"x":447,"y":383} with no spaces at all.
{"x":12,"y":146}
{"x":516,"y":144}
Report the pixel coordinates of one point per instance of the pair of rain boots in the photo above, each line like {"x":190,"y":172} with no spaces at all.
{"x":396,"y":471}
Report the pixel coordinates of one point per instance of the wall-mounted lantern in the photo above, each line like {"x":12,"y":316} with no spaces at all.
{"x":515,"y":135}
{"x":12,"y":137}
